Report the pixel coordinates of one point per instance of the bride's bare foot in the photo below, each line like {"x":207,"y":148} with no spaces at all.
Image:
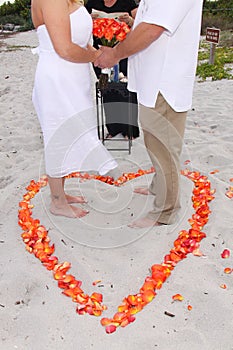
{"x":68,"y":211}
{"x":142,"y":190}
{"x":75,"y":199}
{"x":144,"y":222}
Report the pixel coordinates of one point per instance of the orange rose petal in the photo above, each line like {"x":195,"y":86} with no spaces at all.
{"x":229,"y":194}
{"x":148,"y":296}
{"x":228,"y":270}
{"x":97,"y":296}
{"x":124,"y":322}
{"x":197,"y":252}
{"x":97,"y":313}
{"x":189,"y":307}
{"x":214,"y":171}
{"x":231,"y":179}
{"x":119,"y":316}
{"x":134,"y":310}
{"x":178,"y":297}
{"x":132,"y":300}
{"x":122,"y":308}
{"x":223,"y":286}
{"x":82,"y":298}
{"x":105,"y":321}
{"x":225,"y":254}
{"x":59,"y":275}
{"x":148,"y":285}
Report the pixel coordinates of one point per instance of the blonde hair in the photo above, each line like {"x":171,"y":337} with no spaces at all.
{"x":80,"y":2}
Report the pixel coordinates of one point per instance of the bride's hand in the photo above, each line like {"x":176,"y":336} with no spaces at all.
{"x":95,"y":53}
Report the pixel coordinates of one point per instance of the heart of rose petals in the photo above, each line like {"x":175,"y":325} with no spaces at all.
{"x":37,"y":241}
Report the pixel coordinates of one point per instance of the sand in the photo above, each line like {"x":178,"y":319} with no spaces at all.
{"x":34,"y":315}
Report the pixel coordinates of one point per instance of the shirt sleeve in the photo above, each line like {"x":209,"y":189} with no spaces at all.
{"x":166,"y":13}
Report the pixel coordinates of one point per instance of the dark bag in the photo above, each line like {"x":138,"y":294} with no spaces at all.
{"x":121,"y":110}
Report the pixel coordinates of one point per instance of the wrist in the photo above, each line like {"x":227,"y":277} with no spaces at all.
{"x":95,"y":55}
{"x":117,"y":52}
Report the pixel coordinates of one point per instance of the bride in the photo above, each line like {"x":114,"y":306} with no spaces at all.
{"x":63,"y":101}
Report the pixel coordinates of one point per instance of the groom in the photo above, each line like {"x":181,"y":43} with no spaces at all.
{"x":162,"y":48}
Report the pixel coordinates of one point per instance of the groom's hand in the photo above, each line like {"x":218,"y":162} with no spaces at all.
{"x":107,"y":59}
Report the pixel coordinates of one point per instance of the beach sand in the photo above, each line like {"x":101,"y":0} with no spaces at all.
{"x":34,"y":315}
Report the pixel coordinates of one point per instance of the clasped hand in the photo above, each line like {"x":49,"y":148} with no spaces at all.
{"x":107,"y":58}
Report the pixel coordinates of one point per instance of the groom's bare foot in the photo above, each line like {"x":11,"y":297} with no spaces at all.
{"x":68,"y":211}
{"x":142,"y":190}
{"x":144,"y":222}
{"x":75,"y":199}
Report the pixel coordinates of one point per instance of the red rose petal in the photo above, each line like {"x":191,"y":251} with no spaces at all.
{"x":225,"y":254}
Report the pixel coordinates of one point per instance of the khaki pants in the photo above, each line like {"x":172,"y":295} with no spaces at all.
{"x":163,"y":130}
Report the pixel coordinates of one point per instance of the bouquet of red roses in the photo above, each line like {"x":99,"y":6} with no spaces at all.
{"x":110,"y":32}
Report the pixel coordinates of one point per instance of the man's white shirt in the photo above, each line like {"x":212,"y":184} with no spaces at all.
{"x":168,"y":65}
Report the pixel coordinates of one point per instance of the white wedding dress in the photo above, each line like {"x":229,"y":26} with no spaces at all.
{"x":63,"y":101}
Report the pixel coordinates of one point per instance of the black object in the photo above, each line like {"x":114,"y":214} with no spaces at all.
{"x":120,"y":108}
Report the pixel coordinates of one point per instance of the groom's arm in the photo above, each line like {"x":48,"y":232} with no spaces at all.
{"x":137,"y":40}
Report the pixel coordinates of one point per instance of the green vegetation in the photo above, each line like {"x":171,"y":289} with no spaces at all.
{"x":218,"y":70}
{"x":217,"y":14}
{"x":214,"y":71}
{"x":17,"y":13}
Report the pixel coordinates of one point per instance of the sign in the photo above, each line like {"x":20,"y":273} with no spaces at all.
{"x":212,"y":35}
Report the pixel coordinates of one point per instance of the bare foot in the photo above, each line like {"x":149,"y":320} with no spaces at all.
{"x":127,"y":138}
{"x":142,"y":190}
{"x":75,"y":199}
{"x":108,"y":136}
{"x":144,"y":222}
{"x":68,"y":211}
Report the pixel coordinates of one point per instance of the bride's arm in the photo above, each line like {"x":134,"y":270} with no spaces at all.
{"x":57,"y":20}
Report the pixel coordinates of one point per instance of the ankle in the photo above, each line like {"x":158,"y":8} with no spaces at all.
{"x":58,"y":201}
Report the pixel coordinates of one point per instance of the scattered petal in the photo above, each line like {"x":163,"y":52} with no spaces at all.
{"x":228,"y":270}
{"x":214,"y":171}
{"x":223,"y":286}
{"x":178,"y":297}
{"x":229,"y":194}
{"x":110,"y":329}
{"x":225,"y":254}
{"x":197,"y":252}
{"x":96,"y":282}
{"x":189,"y":307}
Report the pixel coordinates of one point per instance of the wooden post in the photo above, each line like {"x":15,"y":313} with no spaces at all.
{"x":212,"y":53}
{"x":212,"y":36}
